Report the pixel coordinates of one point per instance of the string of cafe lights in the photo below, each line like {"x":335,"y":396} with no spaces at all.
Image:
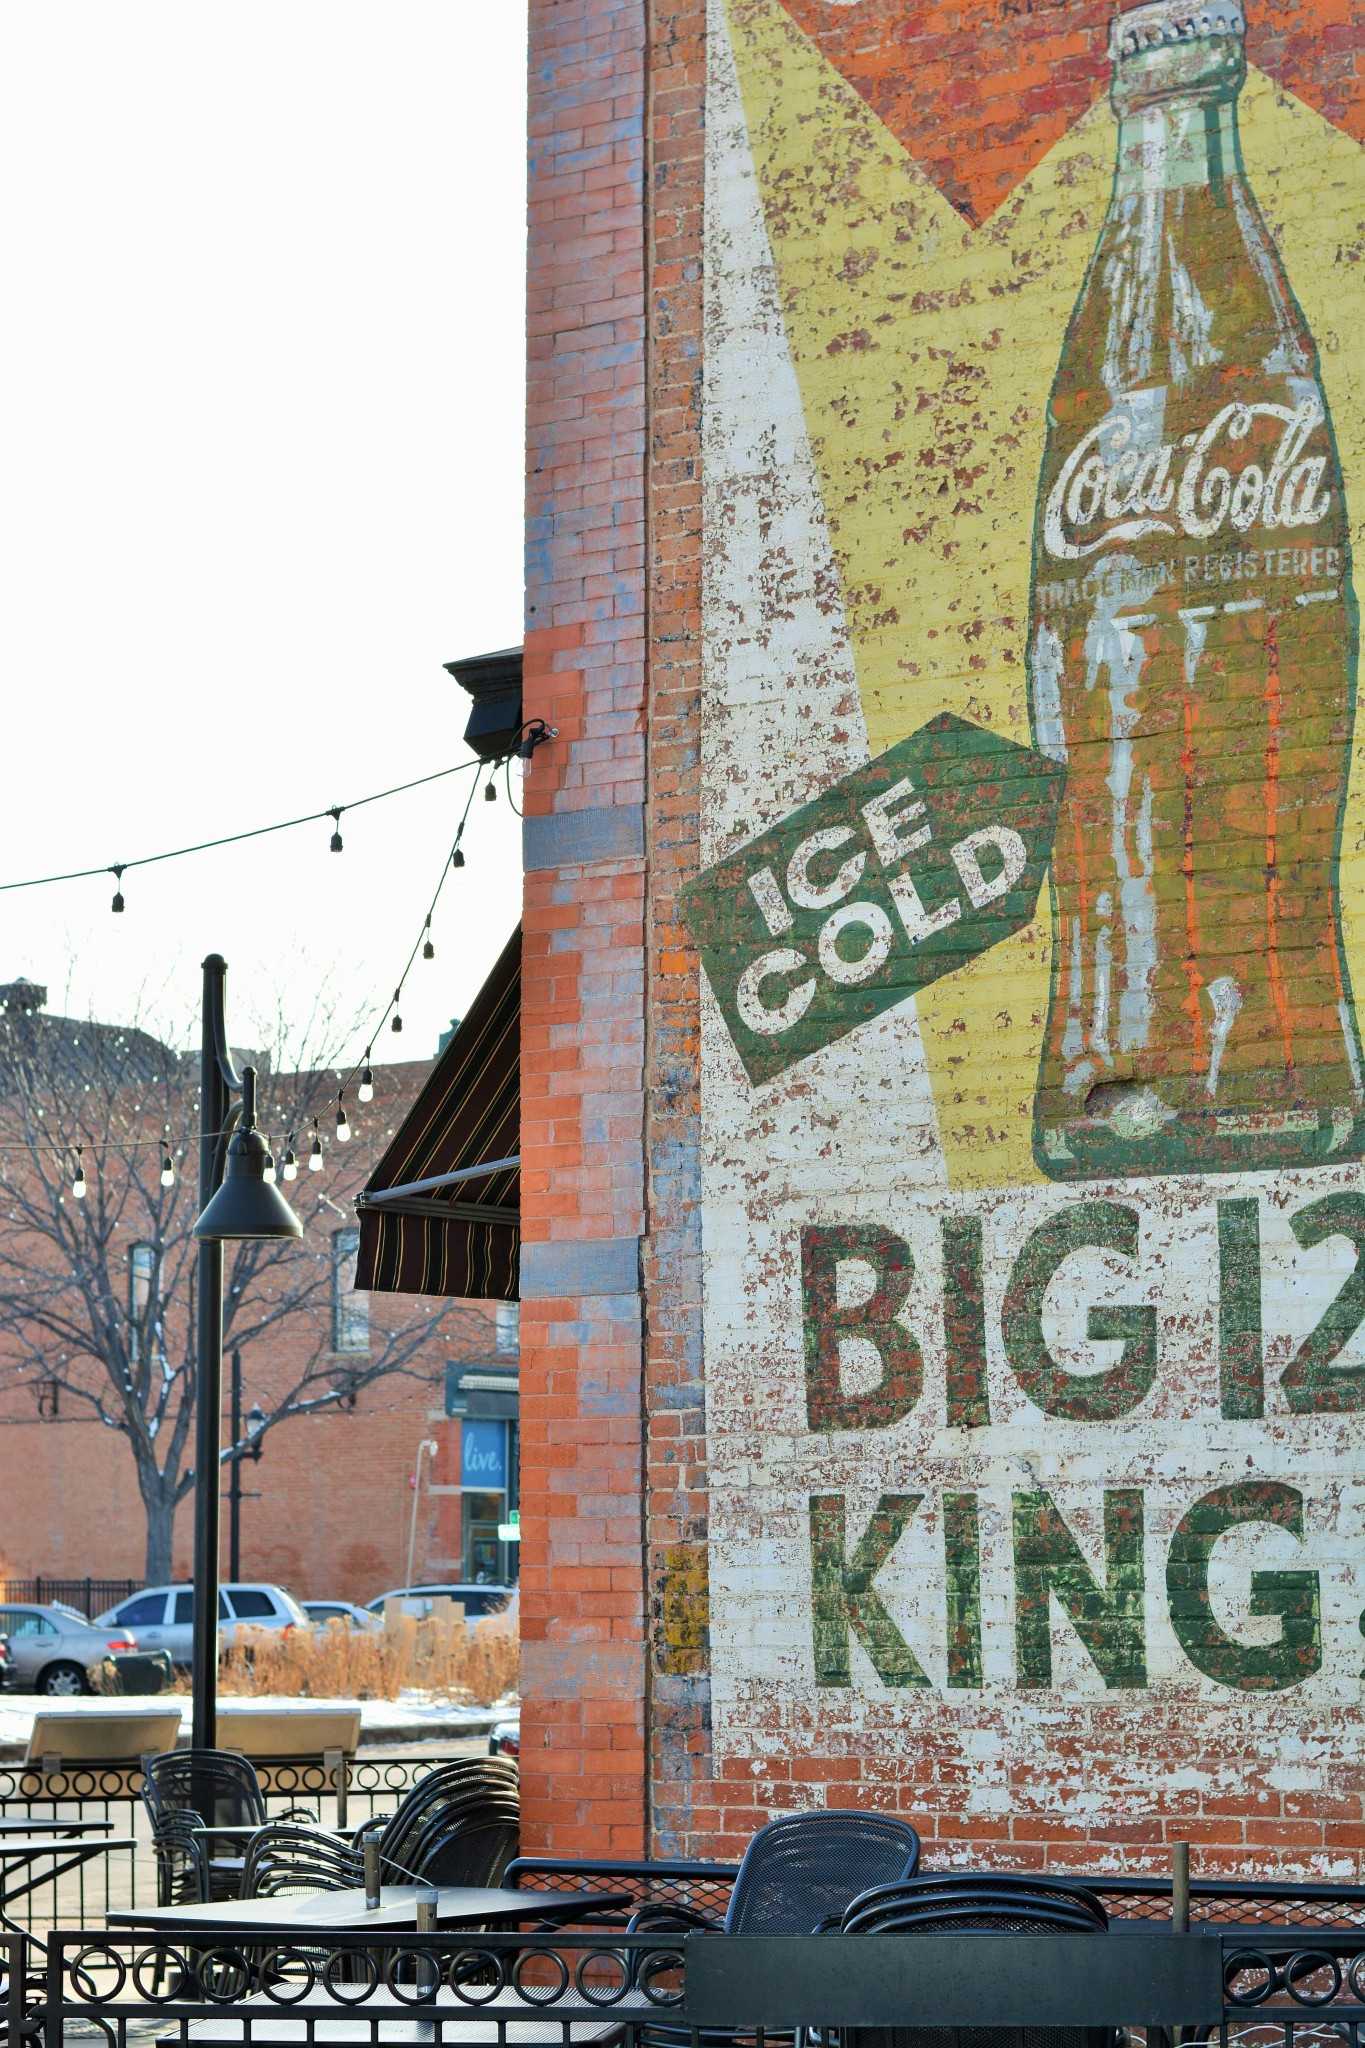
{"x":392,"y":1013}
{"x":530,"y":735}
{"x":119,"y":868}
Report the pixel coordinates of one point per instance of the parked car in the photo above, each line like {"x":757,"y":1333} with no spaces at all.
{"x":505,"y":1739}
{"x":478,"y":1601}
{"x":163,"y":1616}
{"x":323,"y":1611}
{"x":53,"y":1649}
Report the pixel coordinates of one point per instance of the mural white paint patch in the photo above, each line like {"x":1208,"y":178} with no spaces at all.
{"x":782,"y":716}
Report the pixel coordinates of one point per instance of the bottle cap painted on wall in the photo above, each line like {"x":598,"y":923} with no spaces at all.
{"x":1173,"y":21}
{"x":1166,"y":48}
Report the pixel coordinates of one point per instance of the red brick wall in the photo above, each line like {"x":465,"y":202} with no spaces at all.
{"x":331,"y":1520}
{"x":583,"y":969}
{"x":1100,"y":1780}
{"x":688,"y":1814}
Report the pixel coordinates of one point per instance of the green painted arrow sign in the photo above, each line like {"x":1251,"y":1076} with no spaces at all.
{"x":896,"y":876}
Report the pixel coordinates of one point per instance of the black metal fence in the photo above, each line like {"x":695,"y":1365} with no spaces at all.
{"x":91,"y":1596}
{"x":1215,"y":1903}
{"x":574,"y":1988}
{"x":701,"y":1887}
{"x":111,"y":1794}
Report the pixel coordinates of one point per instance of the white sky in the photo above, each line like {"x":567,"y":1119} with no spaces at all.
{"x":261,"y":403}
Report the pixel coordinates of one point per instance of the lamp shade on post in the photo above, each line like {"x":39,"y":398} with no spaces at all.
{"x":247,"y":1205}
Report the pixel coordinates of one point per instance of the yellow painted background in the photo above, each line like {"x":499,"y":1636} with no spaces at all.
{"x":925,"y":350}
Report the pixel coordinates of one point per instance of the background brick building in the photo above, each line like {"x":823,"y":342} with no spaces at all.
{"x":328,"y":1506}
{"x":807,"y":1518}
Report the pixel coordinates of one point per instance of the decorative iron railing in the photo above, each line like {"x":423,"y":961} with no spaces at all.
{"x":573,"y":1990}
{"x":1297,"y":1988}
{"x":111,"y":1793}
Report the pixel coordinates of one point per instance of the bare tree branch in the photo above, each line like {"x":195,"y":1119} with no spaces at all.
{"x":74,"y":1315}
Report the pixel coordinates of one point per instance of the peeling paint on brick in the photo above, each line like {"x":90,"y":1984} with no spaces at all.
{"x":682,"y":1611}
{"x":1033,"y":1442}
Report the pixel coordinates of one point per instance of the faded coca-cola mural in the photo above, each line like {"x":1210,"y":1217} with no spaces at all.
{"x":1031,"y":899}
{"x":1192,"y":653}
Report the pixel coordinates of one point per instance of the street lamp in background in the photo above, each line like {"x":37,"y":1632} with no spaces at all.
{"x":426,"y":1449}
{"x":236,"y":1201}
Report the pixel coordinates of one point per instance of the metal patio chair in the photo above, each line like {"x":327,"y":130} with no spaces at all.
{"x":882,"y":1906}
{"x":447,"y":1794}
{"x":182,"y":1864}
{"x":797,"y":1875}
{"x":982,"y":1902}
{"x":800,"y":1871}
{"x":217,"y":1784}
{"x":284,"y":1857}
{"x":472,"y":1844}
{"x":204,"y":1787}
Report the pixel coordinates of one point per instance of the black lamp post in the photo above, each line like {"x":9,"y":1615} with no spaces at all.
{"x":255,"y":1423}
{"x":236,"y":1201}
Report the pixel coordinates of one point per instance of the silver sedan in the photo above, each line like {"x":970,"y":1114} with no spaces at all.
{"x":55,"y":1650}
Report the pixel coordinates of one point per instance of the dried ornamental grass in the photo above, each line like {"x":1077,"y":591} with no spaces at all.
{"x":438,"y":1655}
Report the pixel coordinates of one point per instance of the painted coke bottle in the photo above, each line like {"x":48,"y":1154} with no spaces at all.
{"x":1192,"y":647}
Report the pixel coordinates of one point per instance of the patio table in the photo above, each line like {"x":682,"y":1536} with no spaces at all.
{"x":456,"y":1906}
{"x":46,"y":1826}
{"x":18,"y":1854}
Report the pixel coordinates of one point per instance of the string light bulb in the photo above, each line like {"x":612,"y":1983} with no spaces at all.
{"x":335,"y":815}
{"x":78,"y":1179}
{"x":343,"y":1127}
{"x":315,"y":1150}
{"x":117,"y":905}
{"x":490,"y":791}
{"x":291,"y":1164}
{"x":397,"y":1024}
{"x":457,"y":858}
{"x":268,"y":1174}
{"x":428,"y":950}
{"x":365,"y":1092}
{"x":167,"y":1170}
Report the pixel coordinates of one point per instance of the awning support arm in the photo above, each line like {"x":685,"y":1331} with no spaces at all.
{"x":440,"y":1212}
{"x":439,"y":1180}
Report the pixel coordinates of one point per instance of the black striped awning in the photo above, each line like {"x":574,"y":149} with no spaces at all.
{"x":431,"y":1221}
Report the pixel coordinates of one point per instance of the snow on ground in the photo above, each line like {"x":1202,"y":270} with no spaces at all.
{"x":412,"y":1717}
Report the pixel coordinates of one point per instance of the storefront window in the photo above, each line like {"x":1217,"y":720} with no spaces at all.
{"x":142,"y":1304}
{"x":484,"y":1473}
{"x":350,"y":1310}
{"x":482,"y":1550}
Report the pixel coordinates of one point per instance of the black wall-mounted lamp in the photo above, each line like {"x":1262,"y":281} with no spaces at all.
{"x":493,"y":681}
